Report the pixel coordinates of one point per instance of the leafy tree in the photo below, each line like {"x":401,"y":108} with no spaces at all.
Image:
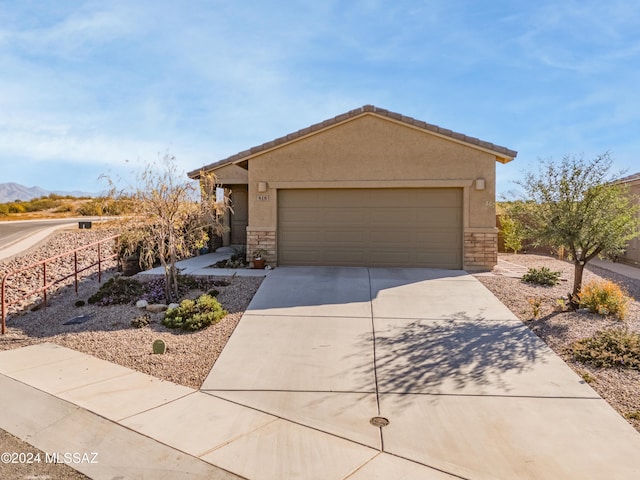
{"x":576,"y":204}
{"x":168,"y":221}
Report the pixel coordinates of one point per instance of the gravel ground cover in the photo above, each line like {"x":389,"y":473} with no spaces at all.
{"x":619,"y":387}
{"x":28,"y":467}
{"x":26,"y":281}
{"x":108,"y":333}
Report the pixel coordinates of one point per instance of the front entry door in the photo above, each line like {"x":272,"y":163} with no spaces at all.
{"x":240,"y":214}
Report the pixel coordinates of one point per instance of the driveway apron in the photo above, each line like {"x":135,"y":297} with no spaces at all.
{"x":467,"y":389}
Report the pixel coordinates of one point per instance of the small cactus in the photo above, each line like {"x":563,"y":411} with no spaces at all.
{"x":159,"y":346}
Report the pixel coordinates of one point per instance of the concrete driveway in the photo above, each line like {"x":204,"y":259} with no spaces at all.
{"x":468,"y":390}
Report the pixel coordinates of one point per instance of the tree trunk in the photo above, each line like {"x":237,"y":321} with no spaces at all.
{"x":167,"y":277}
{"x":574,"y":301}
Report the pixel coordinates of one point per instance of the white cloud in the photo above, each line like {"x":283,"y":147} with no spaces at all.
{"x":108,"y":81}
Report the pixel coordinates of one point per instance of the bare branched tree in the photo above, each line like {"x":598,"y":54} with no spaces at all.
{"x":171,"y":218}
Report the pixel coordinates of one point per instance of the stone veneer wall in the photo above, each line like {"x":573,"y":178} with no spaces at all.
{"x":264,"y":239}
{"x":480,"y":250}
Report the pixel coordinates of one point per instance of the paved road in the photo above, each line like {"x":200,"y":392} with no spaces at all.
{"x":13,"y":232}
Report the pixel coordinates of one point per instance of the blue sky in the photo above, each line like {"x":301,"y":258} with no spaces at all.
{"x":90,"y":87}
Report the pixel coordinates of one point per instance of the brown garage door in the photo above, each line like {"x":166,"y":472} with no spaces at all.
{"x":371,"y":227}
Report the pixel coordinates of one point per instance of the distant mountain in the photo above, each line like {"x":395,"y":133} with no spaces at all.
{"x":11,"y":191}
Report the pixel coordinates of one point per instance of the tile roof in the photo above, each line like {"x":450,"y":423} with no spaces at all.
{"x":503,"y":154}
{"x":629,"y":178}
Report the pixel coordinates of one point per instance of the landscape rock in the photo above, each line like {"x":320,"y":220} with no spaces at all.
{"x":142,"y":304}
{"x":156,"y":307}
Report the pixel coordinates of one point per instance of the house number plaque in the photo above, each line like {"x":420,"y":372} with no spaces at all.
{"x":263,"y":198}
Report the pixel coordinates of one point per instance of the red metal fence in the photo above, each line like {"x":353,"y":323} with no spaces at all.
{"x":47,"y":283}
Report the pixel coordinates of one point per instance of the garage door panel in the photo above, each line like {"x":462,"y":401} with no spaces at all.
{"x":437,"y":258}
{"x":390,"y":257}
{"x":370,"y":227}
{"x":388,"y":237}
{"x":437,"y":237}
{"x":345,"y":237}
{"x":344,"y":216}
{"x":298,"y":216}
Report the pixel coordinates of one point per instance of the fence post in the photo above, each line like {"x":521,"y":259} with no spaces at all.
{"x":4,"y":307}
{"x":44,"y":281}
{"x":75,"y":269}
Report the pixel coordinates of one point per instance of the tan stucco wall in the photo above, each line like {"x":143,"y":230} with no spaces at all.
{"x":231,"y":175}
{"x":373,"y":152}
{"x":632,"y":255}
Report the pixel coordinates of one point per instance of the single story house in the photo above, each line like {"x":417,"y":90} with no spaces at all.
{"x":632,"y":254}
{"x":366,"y":188}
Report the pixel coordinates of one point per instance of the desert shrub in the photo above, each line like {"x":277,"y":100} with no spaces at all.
{"x":536,"y":304}
{"x":541,"y":276}
{"x":604,"y":297}
{"x":194,"y":314}
{"x":615,"y":347}
{"x":141,"y":321}
{"x":64,"y":208}
{"x":513,"y":233}
{"x":105,"y":206}
{"x":633,"y":415}
{"x":587,"y":377}
{"x":16,"y":207}
{"x":235,"y":261}
{"x":117,"y":291}
{"x":91,"y":208}
{"x":40,"y":204}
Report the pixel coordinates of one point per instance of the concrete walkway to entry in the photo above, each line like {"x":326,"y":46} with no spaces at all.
{"x":468,"y":391}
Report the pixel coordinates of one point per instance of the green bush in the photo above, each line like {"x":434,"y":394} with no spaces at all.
{"x":610,"y":348}
{"x":117,"y":291}
{"x":604,"y":297}
{"x":194,"y":315}
{"x":541,"y":276}
{"x":512,"y":232}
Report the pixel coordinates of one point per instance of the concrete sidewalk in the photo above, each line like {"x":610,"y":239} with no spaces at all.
{"x":468,"y":391}
{"x":626,"y":270}
{"x":65,"y":402}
